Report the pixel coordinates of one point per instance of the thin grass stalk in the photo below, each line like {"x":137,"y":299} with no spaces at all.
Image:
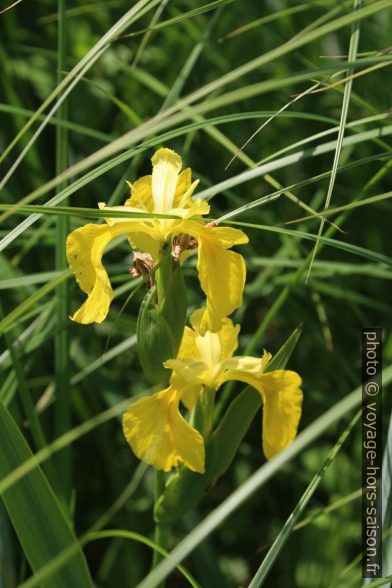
{"x":288,"y":527}
{"x":352,"y":54}
{"x":62,"y":407}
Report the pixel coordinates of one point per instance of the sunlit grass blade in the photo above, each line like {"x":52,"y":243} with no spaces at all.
{"x":352,"y":53}
{"x":273,"y":553}
{"x":70,"y":81}
{"x":208,"y":192}
{"x":36,"y":515}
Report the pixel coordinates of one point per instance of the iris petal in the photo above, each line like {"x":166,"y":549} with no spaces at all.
{"x":141,"y":194}
{"x":84,"y":249}
{"x":160,"y":436}
{"x":221,"y":272}
{"x":282,"y":400}
{"x":166,"y":165}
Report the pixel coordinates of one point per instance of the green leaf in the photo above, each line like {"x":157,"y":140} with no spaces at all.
{"x":35,"y":513}
{"x":185,"y":488}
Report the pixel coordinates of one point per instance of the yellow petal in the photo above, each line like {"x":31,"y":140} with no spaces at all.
{"x":160,"y":436}
{"x":221,"y":273}
{"x":188,"y":351}
{"x":194,"y":208}
{"x":166,"y":166}
{"x":281,"y":411}
{"x":113,"y":220}
{"x":228,"y":336}
{"x":282,"y":399}
{"x":146,"y":242}
{"x":85,"y":247}
{"x":188,"y":371}
{"x":184,"y":190}
{"x":149,"y":240}
{"x":188,"y":348}
{"x":184,"y":182}
{"x":190,"y":395}
{"x":141,"y":194}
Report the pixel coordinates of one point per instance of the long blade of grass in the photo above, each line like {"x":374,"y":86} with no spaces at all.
{"x":263,"y":571}
{"x":352,"y":54}
{"x":70,"y":81}
{"x":36,"y":515}
{"x":62,"y":409}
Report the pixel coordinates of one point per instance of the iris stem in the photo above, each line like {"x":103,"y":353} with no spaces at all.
{"x":162,"y":530}
{"x":202,"y":414}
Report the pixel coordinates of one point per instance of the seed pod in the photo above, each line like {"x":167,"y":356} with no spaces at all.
{"x":161,"y":322}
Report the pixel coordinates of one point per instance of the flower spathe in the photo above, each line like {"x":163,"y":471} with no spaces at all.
{"x":167,"y":191}
{"x":159,"y":435}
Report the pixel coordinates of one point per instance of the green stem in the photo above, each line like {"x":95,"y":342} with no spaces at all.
{"x":203,"y":412}
{"x":162,"y":530}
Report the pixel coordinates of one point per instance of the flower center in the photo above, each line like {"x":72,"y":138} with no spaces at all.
{"x":209,"y":348}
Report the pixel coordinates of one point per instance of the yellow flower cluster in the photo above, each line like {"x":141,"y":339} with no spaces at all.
{"x":154,"y":426}
{"x":166,"y":191}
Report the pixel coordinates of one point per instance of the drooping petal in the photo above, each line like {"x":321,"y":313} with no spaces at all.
{"x":281,"y":411}
{"x":282,"y":399}
{"x":221,"y":272}
{"x":166,"y":165}
{"x":85,"y":247}
{"x":160,"y":436}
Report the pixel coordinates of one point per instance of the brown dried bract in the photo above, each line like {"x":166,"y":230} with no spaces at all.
{"x":142,"y":265}
{"x":182,"y":242}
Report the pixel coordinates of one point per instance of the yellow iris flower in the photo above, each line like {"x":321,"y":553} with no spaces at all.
{"x":167,"y":191}
{"x":157,"y":432}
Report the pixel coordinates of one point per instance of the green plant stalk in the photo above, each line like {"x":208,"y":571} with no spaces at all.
{"x":162,"y":530}
{"x":62,"y":410}
{"x":163,"y":280}
{"x":202,"y":414}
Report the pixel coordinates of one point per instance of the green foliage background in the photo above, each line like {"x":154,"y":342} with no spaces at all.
{"x":62,"y":374}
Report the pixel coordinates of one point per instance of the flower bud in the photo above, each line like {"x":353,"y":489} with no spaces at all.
{"x":161,"y":322}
